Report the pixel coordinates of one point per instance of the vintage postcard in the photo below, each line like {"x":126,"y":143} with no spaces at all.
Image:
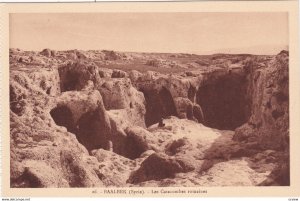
{"x":150,"y":99}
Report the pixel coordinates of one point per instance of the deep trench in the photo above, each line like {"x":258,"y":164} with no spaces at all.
{"x":224,"y":101}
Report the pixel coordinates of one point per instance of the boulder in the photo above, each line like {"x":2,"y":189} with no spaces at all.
{"x":105,"y":72}
{"x":176,"y":146}
{"x":74,"y":76}
{"x":134,"y":75}
{"x":119,"y":74}
{"x":244,"y":132}
{"x":46,"y":52}
{"x":158,"y":166}
{"x":37,"y":174}
{"x":137,"y":140}
{"x":83,"y":113}
{"x":119,"y":94}
{"x":116,"y":93}
{"x":111,"y":55}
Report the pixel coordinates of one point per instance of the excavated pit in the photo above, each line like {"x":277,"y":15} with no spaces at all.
{"x":159,"y":104}
{"x":88,"y":129}
{"x":62,"y":116}
{"x":75,"y":76}
{"x":224,"y":101}
{"x":225,"y":104}
{"x":91,"y":131}
{"x":70,"y":81}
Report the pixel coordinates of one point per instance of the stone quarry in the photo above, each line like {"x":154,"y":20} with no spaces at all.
{"x":115,"y":119}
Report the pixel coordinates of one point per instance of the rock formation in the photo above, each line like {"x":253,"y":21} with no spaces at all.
{"x":269,"y":94}
{"x":104,"y":118}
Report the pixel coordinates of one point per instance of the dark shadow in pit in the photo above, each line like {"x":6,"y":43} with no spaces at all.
{"x":93,"y":132}
{"x":133,"y":148}
{"x":88,"y":129}
{"x":62,"y":116}
{"x":69,"y":81}
{"x":192,"y":93}
{"x":159,"y":104}
{"x":224,"y":101}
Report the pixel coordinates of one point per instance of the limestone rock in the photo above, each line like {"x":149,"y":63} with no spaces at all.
{"x":134,"y":75}
{"x":119,"y":94}
{"x":105,"y":73}
{"x":83,"y":113}
{"x":46,"y":52}
{"x":74,"y":76}
{"x":112,"y":168}
{"x":270,"y":102}
{"x":138,"y":137}
{"x":156,"y":167}
{"x":176,"y":146}
{"x":118,"y":74}
{"x":40,"y":175}
{"x":76,"y":120}
{"x":244,"y":132}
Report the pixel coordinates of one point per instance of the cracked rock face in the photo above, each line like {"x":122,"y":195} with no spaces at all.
{"x":269,"y":89}
{"x":106,"y":119}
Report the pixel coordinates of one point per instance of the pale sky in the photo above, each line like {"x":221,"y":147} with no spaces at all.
{"x":259,"y":33}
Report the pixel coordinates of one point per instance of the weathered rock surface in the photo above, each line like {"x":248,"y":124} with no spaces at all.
{"x":119,"y":94}
{"x":157,"y":167}
{"x":104,"y":118}
{"x":41,"y":151}
{"x":75,"y":75}
{"x":269,"y":90}
{"x":269,"y":120}
{"x":83,"y":113}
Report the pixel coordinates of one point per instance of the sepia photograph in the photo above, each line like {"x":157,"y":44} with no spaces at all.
{"x":157,"y":102}
{"x":149,"y":99}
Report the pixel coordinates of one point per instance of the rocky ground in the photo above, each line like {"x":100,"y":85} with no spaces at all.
{"x":105,"y":118}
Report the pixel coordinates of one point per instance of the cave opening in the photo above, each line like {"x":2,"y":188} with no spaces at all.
{"x":93,"y":133}
{"x":167,"y":102}
{"x":88,"y":129}
{"x":224,"y":101}
{"x":159,"y":104}
{"x":62,"y":116}
{"x":69,"y":80}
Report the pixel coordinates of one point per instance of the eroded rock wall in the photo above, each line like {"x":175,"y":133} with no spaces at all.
{"x":269,"y":121}
{"x":168,"y":95}
{"x":42,"y":153}
{"x":269,"y":92}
